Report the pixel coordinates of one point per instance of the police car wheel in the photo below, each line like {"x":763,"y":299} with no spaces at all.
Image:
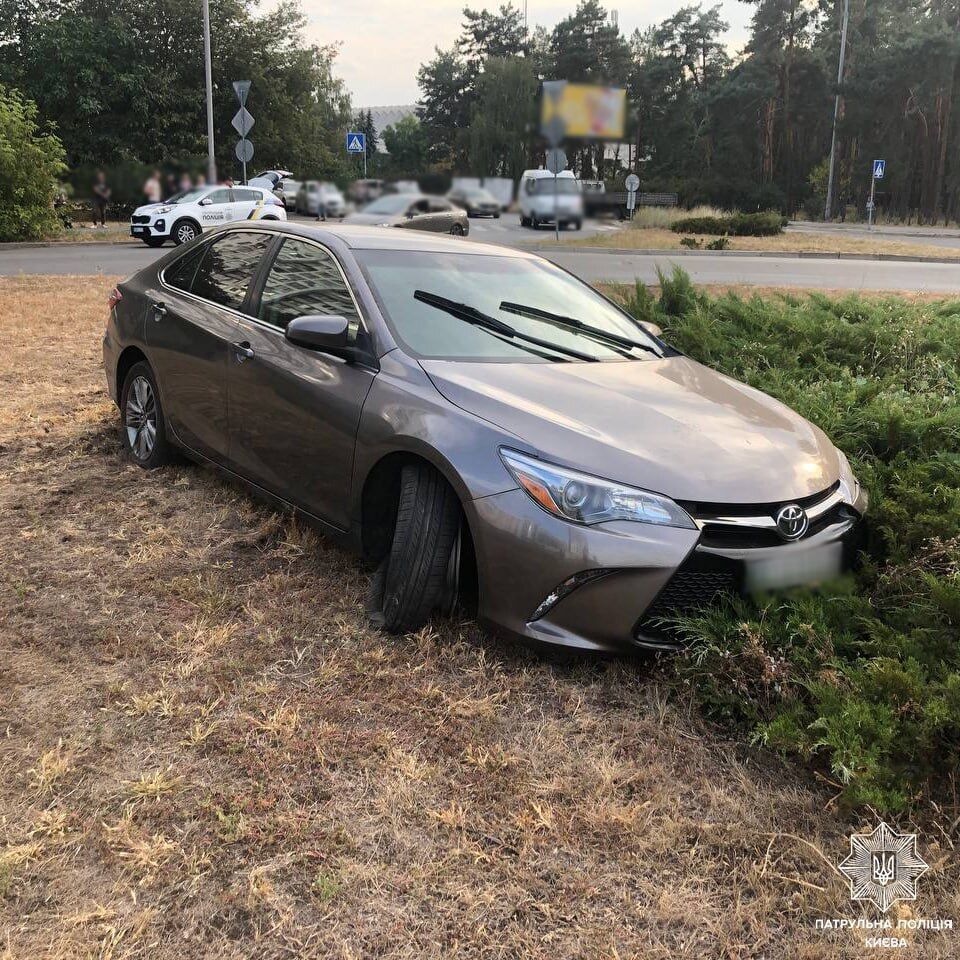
{"x":184,"y":232}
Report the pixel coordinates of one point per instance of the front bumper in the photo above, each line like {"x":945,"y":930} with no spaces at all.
{"x":643,"y":574}
{"x":151,"y":228}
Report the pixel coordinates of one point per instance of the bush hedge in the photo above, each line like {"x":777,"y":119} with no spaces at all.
{"x":736,"y":225}
{"x":862,"y":679}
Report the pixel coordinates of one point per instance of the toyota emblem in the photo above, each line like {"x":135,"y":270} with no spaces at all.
{"x":792,"y":522}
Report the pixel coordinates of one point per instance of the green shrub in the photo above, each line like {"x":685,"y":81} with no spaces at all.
{"x":862,"y":680}
{"x":691,"y":243}
{"x":721,"y":243}
{"x":736,"y":225}
{"x":30,"y":162}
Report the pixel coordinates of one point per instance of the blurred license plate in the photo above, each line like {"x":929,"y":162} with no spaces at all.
{"x":139,"y":229}
{"x":795,"y":567}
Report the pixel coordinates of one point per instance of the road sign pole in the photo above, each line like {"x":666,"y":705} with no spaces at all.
{"x":873,"y":190}
{"x":208,"y":71}
{"x":556,"y":210}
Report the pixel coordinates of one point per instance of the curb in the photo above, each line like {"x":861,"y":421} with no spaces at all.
{"x":43,"y":244}
{"x":773,"y":254}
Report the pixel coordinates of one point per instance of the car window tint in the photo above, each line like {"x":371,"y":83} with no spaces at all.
{"x":245,"y":195}
{"x":226,"y":270}
{"x":180,"y":274}
{"x":439,"y":206}
{"x":304,"y":280}
{"x":219,"y":196}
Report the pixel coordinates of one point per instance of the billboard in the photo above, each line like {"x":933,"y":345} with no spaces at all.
{"x":583,"y":110}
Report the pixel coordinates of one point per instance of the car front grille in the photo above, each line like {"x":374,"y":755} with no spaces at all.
{"x":139,"y":219}
{"x":701,"y":581}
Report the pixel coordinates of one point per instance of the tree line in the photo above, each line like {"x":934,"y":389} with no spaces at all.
{"x":123,"y":82}
{"x":748,"y":128}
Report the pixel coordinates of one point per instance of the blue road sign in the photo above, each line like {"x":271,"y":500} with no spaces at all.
{"x":879,"y":169}
{"x":356,"y":143}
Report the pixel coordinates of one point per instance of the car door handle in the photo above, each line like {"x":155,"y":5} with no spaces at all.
{"x":243,"y":351}
{"x":159,"y":310}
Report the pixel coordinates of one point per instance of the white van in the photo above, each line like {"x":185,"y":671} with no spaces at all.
{"x":543,"y":196}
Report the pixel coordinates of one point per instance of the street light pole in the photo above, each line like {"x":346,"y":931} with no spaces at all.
{"x":828,"y":207}
{"x":208,"y":70}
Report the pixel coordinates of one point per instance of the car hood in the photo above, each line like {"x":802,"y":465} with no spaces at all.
{"x":671,"y":426}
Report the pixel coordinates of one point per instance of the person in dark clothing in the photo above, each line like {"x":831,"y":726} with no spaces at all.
{"x":101,"y":196}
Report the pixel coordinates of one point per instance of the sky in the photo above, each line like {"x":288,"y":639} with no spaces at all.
{"x":383,"y":42}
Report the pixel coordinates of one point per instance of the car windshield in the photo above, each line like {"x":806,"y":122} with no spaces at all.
{"x":393,"y":203}
{"x":485,"y":283}
{"x":545,"y":185}
{"x":190,"y":196}
{"x":481,"y":195}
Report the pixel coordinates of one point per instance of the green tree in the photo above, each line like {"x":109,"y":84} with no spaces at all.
{"x":31,"y":160}
{"x":503,"y":117}
{"x":406,"y":144}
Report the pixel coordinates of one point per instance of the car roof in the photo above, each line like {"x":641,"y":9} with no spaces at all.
{"x":358,"y":237}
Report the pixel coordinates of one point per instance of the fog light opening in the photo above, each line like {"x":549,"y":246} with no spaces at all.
{"x":564,"y":589}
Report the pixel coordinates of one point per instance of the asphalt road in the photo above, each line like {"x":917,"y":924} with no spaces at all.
{"x":127,"y":258}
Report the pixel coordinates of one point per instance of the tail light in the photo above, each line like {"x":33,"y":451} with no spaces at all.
{"x":115,"y":297}
{"x":276,"y":201}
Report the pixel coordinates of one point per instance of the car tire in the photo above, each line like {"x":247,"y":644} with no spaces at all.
{"x":457,"y":230}
{"x":496,"y":216}
{"x":415,"y":580}
{"x":577,"y":224}
{"x":524,"y":221}
{"x":144,"y":426}
{"x":184,"y":231}
{"x":154,"y":241}
{"x":535,"y":222}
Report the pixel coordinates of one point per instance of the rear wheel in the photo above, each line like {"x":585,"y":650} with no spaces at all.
{"x":144,"y":429}
{"x":184,"y":231}
{"x":419,"y":574}
{"x":457,"y":230}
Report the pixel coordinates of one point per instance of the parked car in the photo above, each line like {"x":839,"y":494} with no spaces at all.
{"x":544,"y":198}
{"x":287,"y":190}
{"x":268,"y":178}
{"x":362,"y":192}
{"x":476,"y":201}
{"x":319,"y":199}
{"x":189,"y":213}
{"x":414,"y":211}
{"x":485,"y":428}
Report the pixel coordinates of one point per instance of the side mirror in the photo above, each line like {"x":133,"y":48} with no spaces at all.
{"x":205,"y":202}
{"x":651,"y":328}
{"x":326,"y":333}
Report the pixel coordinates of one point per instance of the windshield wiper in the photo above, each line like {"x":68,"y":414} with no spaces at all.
{"x":569,"y":323}
{"x":470,"y":314}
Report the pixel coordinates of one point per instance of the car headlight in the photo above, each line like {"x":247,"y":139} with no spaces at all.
{"x":159,"y":210}
{"x":580,"y":498}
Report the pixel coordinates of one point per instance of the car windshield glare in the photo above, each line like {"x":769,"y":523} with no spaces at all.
{"x":484,"y":283}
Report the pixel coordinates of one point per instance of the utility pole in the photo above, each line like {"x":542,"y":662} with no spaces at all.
{"x":208,"y":70}
{"x":828,"y":207}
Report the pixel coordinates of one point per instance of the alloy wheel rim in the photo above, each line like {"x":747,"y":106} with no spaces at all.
{"x":185,"y":234}
{"x":141,"y":418}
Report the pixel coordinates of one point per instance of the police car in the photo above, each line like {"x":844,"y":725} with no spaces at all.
{"x":186,"y":215}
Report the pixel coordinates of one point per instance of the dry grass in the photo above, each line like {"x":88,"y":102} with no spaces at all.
{"x":206,"y":752}
{"x":662,"y":238}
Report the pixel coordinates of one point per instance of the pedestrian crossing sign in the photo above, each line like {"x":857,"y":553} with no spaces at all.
{"x":356,"y":143}
{"x":879,"y":169}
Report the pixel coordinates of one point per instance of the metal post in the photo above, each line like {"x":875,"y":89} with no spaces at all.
{"x":556,"y":210}
{"x":364,"y":159}
{"x":873,"y":188}
{"x":208,"y":70}
{"x":828,"y":207}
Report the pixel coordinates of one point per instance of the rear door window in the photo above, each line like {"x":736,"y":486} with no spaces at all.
{"x":226,"y":270}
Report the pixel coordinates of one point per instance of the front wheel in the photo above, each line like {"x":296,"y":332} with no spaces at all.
{"x":184,"y":232}
{"x":418,"y":575}
{"x":457,"y":230}
{"x":144,"y":428}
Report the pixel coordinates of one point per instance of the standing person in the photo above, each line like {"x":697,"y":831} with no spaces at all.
{"x":171,"y":187}
{"x":101,"y":196}
{"x":185,"y":182}
{"x":151,"y":188}
{"x":228,"y":182}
